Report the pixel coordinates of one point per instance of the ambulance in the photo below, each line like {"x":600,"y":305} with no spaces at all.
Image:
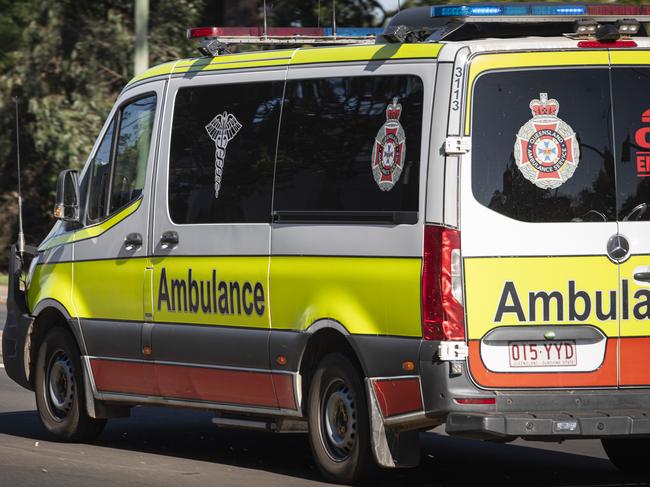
{"x":447,"y":226}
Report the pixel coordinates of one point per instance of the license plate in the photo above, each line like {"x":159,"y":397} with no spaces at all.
{"x":543,"y":354}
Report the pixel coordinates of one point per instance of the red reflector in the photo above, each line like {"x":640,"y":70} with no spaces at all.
{"x":606,"y":45}
{"x":443,"y":316}
{"x":475,"y":400}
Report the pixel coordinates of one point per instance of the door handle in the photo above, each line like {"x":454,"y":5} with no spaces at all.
{"x":132,"y":241}
{"x":169,"y":239}
{"x":642,"y":276}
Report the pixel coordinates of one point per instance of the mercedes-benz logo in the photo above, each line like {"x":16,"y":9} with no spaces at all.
{"x":618,"y":248}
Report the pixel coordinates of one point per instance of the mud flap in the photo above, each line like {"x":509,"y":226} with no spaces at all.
{"x":17,"y":330}
{"x":391,"y":447}
{"x":98,"y":409}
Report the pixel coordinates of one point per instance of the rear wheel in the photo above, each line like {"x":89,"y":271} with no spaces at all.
{"x":628,"y":454}
{"x":60,"y":390}
{"x":339,"y":427}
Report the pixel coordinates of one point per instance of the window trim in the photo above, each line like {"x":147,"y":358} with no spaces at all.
{"x":117,"y":120}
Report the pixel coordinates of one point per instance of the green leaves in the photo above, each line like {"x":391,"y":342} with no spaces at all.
{"x":67,"y":60}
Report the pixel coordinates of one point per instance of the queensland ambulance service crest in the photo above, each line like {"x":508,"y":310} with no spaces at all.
{"x":546,"y":149}
{"x":389,"y":149}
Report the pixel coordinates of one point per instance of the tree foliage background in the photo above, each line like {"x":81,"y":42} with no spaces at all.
{"x":67,"y":60}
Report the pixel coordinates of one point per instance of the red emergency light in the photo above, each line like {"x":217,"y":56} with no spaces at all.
{"x":283,"y":32}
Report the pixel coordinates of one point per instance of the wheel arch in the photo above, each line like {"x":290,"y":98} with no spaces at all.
{"x":326,"y":336}
{"x":48,"y":314}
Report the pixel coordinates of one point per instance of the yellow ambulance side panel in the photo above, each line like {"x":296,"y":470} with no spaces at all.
{"x":252,"y":270}
{"x":635,"y":303}
{"x":376,"y":296}
{"x":374,"y":52}
{"x":486,"y":281}
{"x":51,"y":281}
{"x":109,"y":289}
{"x":629,"y":57}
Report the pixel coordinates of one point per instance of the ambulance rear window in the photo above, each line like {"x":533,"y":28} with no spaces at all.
{"x":632,"y":132}
{"x":541,"y":145}
{"x":350,"y":148}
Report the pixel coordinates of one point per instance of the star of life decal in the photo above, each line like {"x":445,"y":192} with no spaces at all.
{"x":389,"y":149}
{"x":222,"y":129}
{"x":546,"y":150}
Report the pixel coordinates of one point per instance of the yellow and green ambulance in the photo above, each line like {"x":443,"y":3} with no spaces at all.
{"x":448,"y":226}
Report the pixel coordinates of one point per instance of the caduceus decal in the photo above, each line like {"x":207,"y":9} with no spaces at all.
{"x":222,"y":129}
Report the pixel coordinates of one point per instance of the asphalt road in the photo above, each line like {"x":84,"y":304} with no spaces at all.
{"x":165,"y":447}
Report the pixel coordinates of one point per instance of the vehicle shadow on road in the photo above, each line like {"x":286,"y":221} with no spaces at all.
{"x":445,"y":461}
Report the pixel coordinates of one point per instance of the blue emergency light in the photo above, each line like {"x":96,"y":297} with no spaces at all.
{"x":505,"y":10}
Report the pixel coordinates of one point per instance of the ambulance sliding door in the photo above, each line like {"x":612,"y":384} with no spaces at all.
{"x":110,"y":250}
{"x":211,"y":239}
{"x":537,"y":212}
{"x":632,"y":151}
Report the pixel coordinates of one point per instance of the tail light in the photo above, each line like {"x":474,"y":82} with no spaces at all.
{"x":443,"y":314}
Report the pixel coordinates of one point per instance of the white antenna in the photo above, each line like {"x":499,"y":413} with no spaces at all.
{"x":398,"y":6}
{"x":21,"y":235}
{"x":334,"y":18}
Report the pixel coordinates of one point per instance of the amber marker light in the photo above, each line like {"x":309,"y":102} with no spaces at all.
{"x":146,"y":351}
{"x":281,"y":360}
{"x":408,"y":365}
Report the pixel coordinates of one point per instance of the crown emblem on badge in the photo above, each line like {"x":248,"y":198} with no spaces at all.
{"x":546,"y":149}
{"x":394,"y":110}
{"x":389,"y":149}
{"x":544,"y":106}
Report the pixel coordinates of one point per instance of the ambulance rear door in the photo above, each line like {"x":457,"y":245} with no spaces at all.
{"x":538,"y":208}
{"x":630,"y":82}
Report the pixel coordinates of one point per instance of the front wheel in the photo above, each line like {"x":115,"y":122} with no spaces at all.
{"x":60,"y":390}
{"x":339,"y":426}
{"x":628,"y":454}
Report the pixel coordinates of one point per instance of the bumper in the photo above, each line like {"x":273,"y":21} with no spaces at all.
{"x":17,"y":327}
{"x":544,"y":414}
{"x":550,"y":425}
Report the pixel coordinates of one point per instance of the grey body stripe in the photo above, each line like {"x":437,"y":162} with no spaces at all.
{"x":219,"y":345}
{"x":114,"y":339}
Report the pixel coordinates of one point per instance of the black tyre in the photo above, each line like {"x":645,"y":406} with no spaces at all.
{"x":339,"y":426}
{"x":60,"y":390}
{"x":628,"y":454}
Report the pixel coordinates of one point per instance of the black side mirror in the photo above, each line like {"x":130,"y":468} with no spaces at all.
{"x":66,"y":207}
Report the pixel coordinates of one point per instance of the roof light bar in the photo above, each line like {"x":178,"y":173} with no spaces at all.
{"x":286,"y":35}
{"x":539,"y":10}
{"x":215,"y":40}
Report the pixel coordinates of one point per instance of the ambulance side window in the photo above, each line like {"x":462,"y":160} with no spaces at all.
{"x":558,"y":167}
{"x":132,"y":152}
{"x":632,"y":132}
{"x":337,"y":136}
{"x":222,"y":153}
{"x":118,"y":169}
{"x":100,"y":173}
